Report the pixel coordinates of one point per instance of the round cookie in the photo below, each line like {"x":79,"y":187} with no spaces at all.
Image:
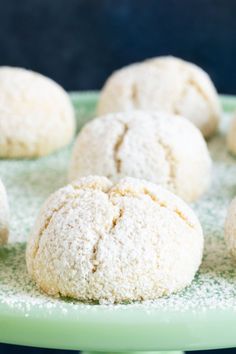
{"x":164,"y":83}
{"x":230,"y":229}
{"x":156,"y":146}
{"x":4,"y":215}
{"x":36,"y":115}
{"x":128,"y":241}
{"x":231,"y":136}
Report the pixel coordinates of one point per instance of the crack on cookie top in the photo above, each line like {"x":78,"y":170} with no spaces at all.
{"x":111,"y":229}
{"x":134,"y":95}
{"x":169,"y":156}
{"x":146,"y":192}
{"x":117,"y":146}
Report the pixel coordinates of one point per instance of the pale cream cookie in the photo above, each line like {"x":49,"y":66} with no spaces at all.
{"x":156,"y":146}
{"x":164,"y":83}
{"x":133,"y":240}
{"x":230,"y":229}
{"x":36,"y":115}
{"x":231,"y":136}
{"x":4,"y":215}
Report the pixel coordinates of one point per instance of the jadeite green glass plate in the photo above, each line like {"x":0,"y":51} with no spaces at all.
{"x":200,"y":317}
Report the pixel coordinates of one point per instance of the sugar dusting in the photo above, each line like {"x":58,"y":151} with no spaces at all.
{"x":29,"y":182}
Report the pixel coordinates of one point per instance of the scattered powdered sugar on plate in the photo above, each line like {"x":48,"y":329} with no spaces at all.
{"x":29,"y":182}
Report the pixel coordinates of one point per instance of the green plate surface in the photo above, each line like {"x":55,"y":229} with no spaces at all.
{"x":203,"y":316}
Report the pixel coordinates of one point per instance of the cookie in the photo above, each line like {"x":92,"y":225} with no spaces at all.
{"x":165,"y":83}
{"x":128,"y":241}
{"x":230,"y":229}
{"x":156,"y":146}
{"x":36,"y":115}
{"x":4,"y":215}
{"x":231,"y":136}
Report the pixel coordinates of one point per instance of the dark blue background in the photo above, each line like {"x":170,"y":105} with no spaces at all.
{"x":80,"y":42}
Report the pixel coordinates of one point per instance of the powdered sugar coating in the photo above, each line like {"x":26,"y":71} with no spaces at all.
{"x":4,"y":215}
{"x":130,"y":241}
{"x":230,"y":228}
{"x":154,"y":146}
{"x":165,"y":83}
{"x":36,"y":115}
{"x":214,"y":286}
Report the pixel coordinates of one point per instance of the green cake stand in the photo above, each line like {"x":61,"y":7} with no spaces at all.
{"x":202,"y":316}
